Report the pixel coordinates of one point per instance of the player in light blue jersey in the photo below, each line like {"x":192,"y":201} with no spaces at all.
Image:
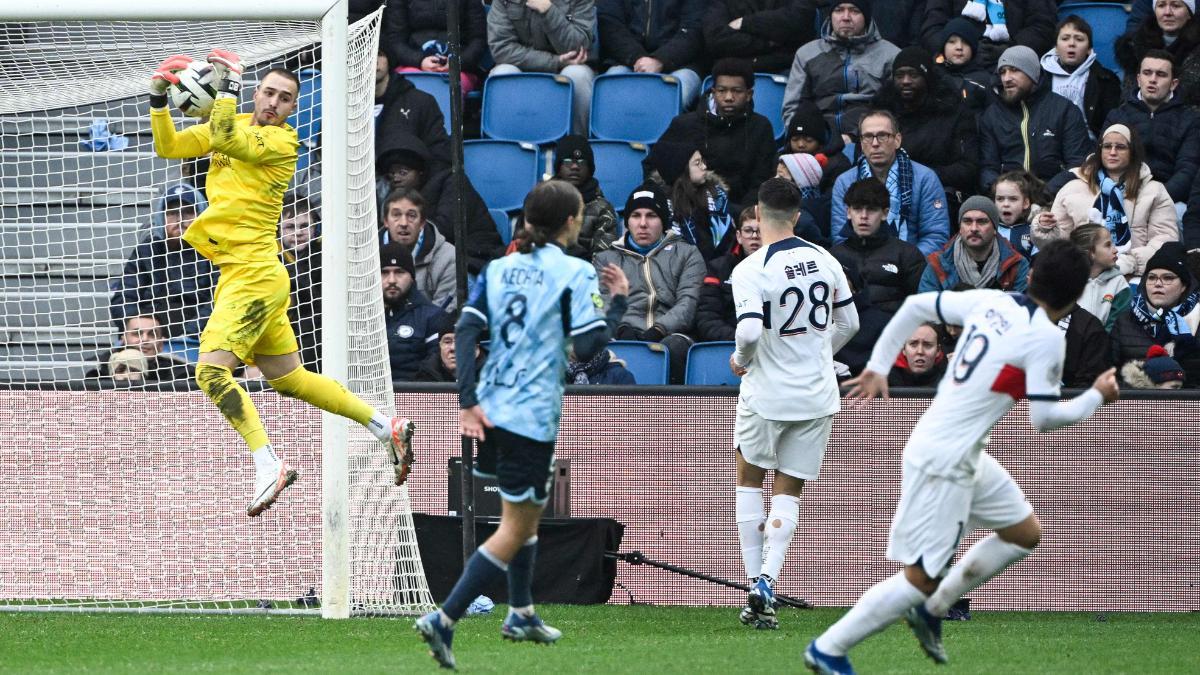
{"x":536,"y":304}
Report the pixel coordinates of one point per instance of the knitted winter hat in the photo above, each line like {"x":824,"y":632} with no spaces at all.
{"x":969,"y":30}
{"x":574,"y":147}
{"x":1023,"y":59}
{"x":670,"y":158}
{"x":913,"y":57}
{"x":393,"y":254}
{"x":863,"y":6}
{"x":1119,"y":129}
{"x":980,"y":203}
{"x":805,"y":169}
{"x":1160,"y":367}
{"x":649,"y":196}
{"x":808,"y":121}
{"x":1172,"y":257}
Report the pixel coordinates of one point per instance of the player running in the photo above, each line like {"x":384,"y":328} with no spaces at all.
{"x":253,"y":157}
{"x":535,"y":303}
{"x":788,"y":294}
{"x":1011,"y":348}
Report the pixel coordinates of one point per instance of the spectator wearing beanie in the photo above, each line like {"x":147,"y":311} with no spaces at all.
{"x":1029,"y":127}
{"x":806,"y":171}
{"x":808,"y":132}
{"x":891,"y":269}
{"x":977,"y":256}
{"x":958,"y":63}
{"x":1004,"y":23}
{"x":765,"y":32}
{"x":665,"y":274}
{"x":412,"y":322}
{"x":575,"y":163}
{"x":938,"y":126}
{"x":1076,"y":75}
{"x":1158,"y":371}
{"x":849,"y":43}
{"x":1165,"y":311}
{"x":738,"y":144}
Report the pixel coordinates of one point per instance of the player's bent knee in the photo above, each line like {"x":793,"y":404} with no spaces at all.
{"x":1026,"y":534}
{"x":915,"y":574}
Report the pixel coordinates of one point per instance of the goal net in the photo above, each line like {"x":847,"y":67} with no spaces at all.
{"x":124,"y":489}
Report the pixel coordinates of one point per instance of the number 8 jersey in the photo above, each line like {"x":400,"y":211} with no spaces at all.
{"x":793,"y":286}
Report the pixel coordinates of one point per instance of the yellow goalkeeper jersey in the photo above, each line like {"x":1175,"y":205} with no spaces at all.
{"x":248,"y":175}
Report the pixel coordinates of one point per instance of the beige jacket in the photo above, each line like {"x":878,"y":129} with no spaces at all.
{"x":1152,"y":219}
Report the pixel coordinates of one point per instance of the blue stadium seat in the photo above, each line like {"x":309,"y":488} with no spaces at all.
{"x":768,"y":98}
{"x":1107,"y":20}
{"x":618,"y":169}
{"x":502,"y":172}
{"x":436,"y":85}
{"x":634,"y":107}
{"x":530,"y":107}
{"x":646,"y":360}
{"x":503,"y":224}
{"x":708,"y":363}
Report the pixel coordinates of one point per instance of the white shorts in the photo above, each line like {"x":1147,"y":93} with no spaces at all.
{"x":935,"y":513}
{"x":795,"y":448}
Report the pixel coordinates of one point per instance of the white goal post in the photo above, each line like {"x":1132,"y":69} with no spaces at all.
{"x":352,"y":541}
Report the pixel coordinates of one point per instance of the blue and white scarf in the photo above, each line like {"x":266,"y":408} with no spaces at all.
{"x":990,"y":12}
{"x":900,"y":187}
{"x":1111,"y":205}
{"x":1167,"y":325}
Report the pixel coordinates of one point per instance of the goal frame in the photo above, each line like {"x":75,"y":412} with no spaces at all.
{"x":332,"y":14}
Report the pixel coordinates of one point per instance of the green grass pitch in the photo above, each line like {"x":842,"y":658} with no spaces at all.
{"x":604,"y":639}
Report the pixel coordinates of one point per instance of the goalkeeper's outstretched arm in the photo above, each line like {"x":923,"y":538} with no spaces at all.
{"x":169,"y":143}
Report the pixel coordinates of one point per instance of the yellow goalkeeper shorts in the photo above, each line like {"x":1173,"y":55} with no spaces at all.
{"x":250,"y":312}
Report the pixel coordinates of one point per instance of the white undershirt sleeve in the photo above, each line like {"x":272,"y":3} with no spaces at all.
{"x":749,"y":330}
{"x":1052,"y":415}
{"x":845,"y":322}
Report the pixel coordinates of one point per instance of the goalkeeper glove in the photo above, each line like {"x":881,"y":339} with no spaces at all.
{"x":228,"y":68}
{"x":164,"y":76}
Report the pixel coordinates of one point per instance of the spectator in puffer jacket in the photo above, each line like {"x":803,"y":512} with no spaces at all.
{"x":891,"y":269}
{"x":716,"y":318}
{"x":958,"y":65}
{"x":1107,"y":293}
{"x":575,"y":163}
{"x":1029,"y":126}
{"x":1172,"y":27}
{"x":665,"y":275}
{"x":404,"y":222}
{"x":411,"y":321}
{"x":1169,"y":129}
{"x":809,"y":133}
{"x":649,"y":36}
{"x":1077,"y":76}
{"x":1165,"y":311}
{"x":977,"y":256}
{"x":936,"y":122}
{"x":766,"y":32}
{"x":1115,"y":188}
{"x":921,"y":362}
{"x":918,"y":211}
{"x":843,"y":70}
{"x":1158,"y":371}
{"x":1005,"y":23}
{"x":162,"y":275}
{"x":547,"y":36}
{"x":414,"y":35}
{"x":738,"y":144}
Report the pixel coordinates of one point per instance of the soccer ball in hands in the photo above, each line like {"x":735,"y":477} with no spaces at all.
{"x":196,"y":91}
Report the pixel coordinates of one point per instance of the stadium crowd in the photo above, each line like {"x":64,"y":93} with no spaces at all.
{"x":937,"y":145}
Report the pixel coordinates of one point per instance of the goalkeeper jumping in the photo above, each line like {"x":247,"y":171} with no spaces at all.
{"x":253,"y":158}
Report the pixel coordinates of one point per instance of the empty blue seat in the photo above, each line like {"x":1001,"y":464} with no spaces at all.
{"x":530,"y":107}
{"x":436,"y":85}
{"x":646,"y":360}
{"x":503,"y":224}
{"x":502,"y":172}
{"x":634,"y":107}
{"x":708,"y":363}
{"x":768,"y":98}
{"x":618,"y":169}
{"x":1107,"y":20}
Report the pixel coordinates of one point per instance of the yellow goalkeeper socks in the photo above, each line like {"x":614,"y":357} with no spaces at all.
{"x":234,"y":403}
{"x":325,"y":393}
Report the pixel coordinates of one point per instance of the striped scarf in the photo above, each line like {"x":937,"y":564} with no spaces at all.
{"x":900,"y":186}
{"x":1111,"y":205}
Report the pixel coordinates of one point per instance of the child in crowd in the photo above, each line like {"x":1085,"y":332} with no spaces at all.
{"x":1107,"y":293}
{"x":1016,"y":194}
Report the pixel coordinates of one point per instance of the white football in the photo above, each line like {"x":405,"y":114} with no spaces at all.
{"x":196,"y":91}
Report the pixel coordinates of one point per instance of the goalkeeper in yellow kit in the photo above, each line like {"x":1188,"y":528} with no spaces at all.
{"x":253,"y":158}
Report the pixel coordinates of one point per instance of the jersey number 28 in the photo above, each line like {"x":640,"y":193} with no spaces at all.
{"x":818,"y":313}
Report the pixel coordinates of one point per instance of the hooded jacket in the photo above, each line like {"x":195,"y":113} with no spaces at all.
{"x":771,"y":32}
{"x":1030,"y":23}
{"x":408,"y":25}
{"x":1055,"y":139}
{"x":940,"y":133}
{"x":406,"y":110}
{"x":891,"y":269}
{"x":1171,"y":137}
{"x":532,"y":41}
{"x":716,"y":318}
{"x":941,"y":274}
{"x":740,"y":149}
{"x":174,"y":282}
{"x":1101,"y":88}
{"x":668,"y":30}
{"x":664,"y":284}
{"x":434,"y":263}
{"x":412,"y":334}
{"x":840,"y":76}
{"x":1152,"y":219}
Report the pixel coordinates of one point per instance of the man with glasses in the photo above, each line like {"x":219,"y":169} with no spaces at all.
{"x":716,"y":319}
{"x":917,"y":212}
{"x":737,"y":143}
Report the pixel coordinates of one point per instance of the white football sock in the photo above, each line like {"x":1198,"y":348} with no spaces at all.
{"x":748,"y":509}
{"x":380,"y":426}
{"x":265,"y":460}
{"x":878,"y":608}
{"x":781,"y":525}
{"x":987,"y":558}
